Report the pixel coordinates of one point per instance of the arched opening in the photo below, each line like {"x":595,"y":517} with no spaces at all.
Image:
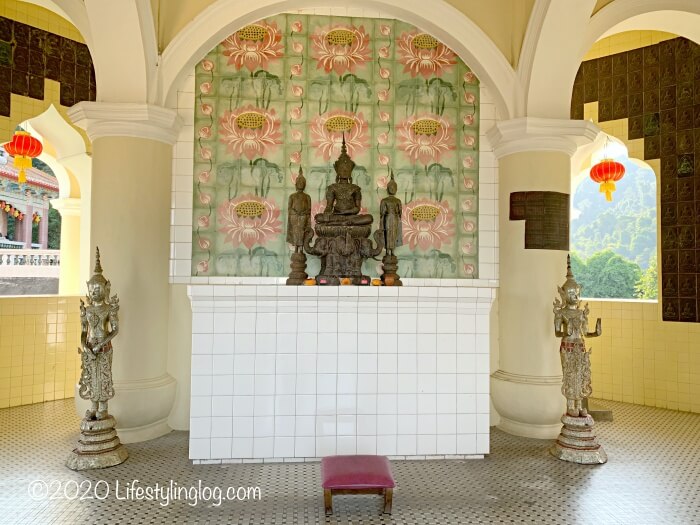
{"x":65,"y":152}
{"x":30,"y":229}
{"x":614,"y":243}
{"x":652,"y":113}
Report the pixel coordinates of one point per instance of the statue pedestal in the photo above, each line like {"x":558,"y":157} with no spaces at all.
{"x":577,"y":442}
{"x":390,"y":265}
{"x":342,"y":249}
{"x":98,"y":446}
{"x":298,"y":265}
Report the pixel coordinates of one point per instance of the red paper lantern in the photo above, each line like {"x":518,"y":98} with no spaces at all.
{"x":23,"y":148}
{"x":607,"y":172}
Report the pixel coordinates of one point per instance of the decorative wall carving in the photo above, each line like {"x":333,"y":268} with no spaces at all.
{"x":280,"y":93}
{"x":661,"y":84}
{"x":29,"y":55}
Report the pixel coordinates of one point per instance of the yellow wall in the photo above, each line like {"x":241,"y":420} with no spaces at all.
{"x":39,"y":339}
{"x":626,"y":41}
{"x":39,"y":17}
{"x":641,"y":359}
{"x":507,"y":32}
{"x":23,"y":108}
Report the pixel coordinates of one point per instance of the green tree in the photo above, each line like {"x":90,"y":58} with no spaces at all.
{"x":606,"y":274}
{"x":54,"y":229}
{"x":648,"y":285}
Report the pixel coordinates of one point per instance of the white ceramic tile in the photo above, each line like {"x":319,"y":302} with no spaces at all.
{"x":326,"y":404}
{"x":243,"y":406}
{"x":305,"y":426}
{"x":305,"y":447}
{"x":285,"y":384}
{"x":244,"y":385}
{"x":244,"y":364}
{"x":280,"y":378}
{"x":347,"y":383}
{"x":264,"y":405}
{"x":346,"y":445}
{"x":222,"y":385}
{"x":264,"y":385}
{"x":305,"y":405}
{"x":264,"y":363}
{"x":285,"y":405}
{"x":200,"y":427}
{"x":327,"y":364}
{"x":466,"y":444}
{"x":367,"y":444}
{"x":366,"y":425}
{"x":200,"y":386}
{"x":201,"y":365}
{"x":426,"y":444}
{"x":263,"y":447}
{"x":386,"y":445}
{"x":283,"y":447}
{"x":263,"y":426}
{"x":367,"y":363}
{"x":200,"y":448}
{"x":427,"y":424}
{"x":446,"y":444}
{"x":406,"y":444}
{"x":306,"y":384}
{"x":284,"y":425}
{"x":222,"y":364}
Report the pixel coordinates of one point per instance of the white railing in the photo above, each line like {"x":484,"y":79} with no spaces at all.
{"x":15,"y":245}
{"x":29,"y":263}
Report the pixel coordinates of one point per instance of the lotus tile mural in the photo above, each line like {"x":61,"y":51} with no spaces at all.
{"x":281,"y":93}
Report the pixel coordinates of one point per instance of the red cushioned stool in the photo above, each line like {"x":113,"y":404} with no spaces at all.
{"x":356,"y":475}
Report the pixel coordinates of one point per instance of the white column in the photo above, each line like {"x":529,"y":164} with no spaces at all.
{"x":534,"y":155}
{"x":130,"y":222}
{"x":69,"y":282}
{"x":44,"y":225}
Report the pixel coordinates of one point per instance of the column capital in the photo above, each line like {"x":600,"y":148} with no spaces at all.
{"x":67,"y":207}
{"x":540,"y":134}
{"x":125,"y":119}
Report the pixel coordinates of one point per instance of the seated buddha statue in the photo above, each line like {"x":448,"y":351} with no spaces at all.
{"x":343,"y":198}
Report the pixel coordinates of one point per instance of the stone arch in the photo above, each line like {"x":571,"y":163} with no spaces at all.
{"x":66,"y":154}
{"x":549,"y":86}
{"x":441,"y":20}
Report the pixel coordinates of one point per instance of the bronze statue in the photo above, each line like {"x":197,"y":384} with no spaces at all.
{"x":343,"y":198}
{"x":571,"y":324}
{"x":99,"y":324}
{"x":298,"y":226}
{"x":98,"y":445}
{"x":342,"y":233}
{"x":576,"y":442}
{"x":298,"y":214}
{"x":390,"y":217}
{"x":390,"y":223}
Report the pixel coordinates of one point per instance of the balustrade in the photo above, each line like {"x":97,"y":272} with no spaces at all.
{"x":29,"y":263}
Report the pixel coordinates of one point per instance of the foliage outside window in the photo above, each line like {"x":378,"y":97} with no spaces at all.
{"x":613,"y":244}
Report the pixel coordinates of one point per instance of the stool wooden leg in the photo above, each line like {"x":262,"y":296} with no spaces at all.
{"x":328,"y":501}
{"x":388,"y":497}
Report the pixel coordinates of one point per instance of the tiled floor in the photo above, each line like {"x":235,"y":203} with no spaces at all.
{"x":652,"y":477}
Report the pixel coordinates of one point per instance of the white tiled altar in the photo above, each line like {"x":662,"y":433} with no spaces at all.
{"x":282,"y":372}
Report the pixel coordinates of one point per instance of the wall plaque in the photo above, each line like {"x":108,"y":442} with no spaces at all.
{"x":546,"y":216}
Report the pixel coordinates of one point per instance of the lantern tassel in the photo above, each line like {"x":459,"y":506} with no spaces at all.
{"x":608,"y":188}
{"x":22,"y":177}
